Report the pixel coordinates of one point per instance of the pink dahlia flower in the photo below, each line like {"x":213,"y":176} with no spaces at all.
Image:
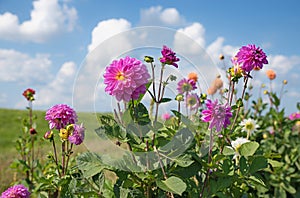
{"x":166,"y":116}
{"x":185,"y":86}
{"x":250,"y":57}
{"x":77,"y":135}
{"x":60,"y":115}
{"x":169,"y":57}
{"x":294,"y":116}
{"x":193,"y":101}
{"x":17,"y":191}
{"x":217,"y":114}
{"x":126,"y":79}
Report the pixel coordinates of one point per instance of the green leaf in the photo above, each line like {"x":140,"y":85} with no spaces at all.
{"x":258,"y":163}
{"x":141,"y":114}
{"x":172,"y":184}
{"x":184,"y":161}
{"x":90,"y":164}
{"x":275,"y":163}
{"x":228,"y":150}
{"x":248,"y":148}
{"x":286,"y":186}
{"x":244,"y":166}
{"x":163,"y":100}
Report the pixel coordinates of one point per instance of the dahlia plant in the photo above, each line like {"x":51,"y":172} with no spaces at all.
{"x":232,"y":146}
{"x":201,"y":150}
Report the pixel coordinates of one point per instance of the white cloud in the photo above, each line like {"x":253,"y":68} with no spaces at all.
{"x":196,"y":31}
{"x":21,"y":68}
{"x":283,"y":64}
{"x":59,"y":89}
{"x":156,"y":15}
{"x":106,"y":29}
{"x":47,"y":18}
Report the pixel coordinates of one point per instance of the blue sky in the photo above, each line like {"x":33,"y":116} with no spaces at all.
{"x":44,"y":43}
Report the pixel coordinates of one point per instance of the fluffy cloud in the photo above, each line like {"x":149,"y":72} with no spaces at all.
{"x":106,"y":29}
{"x":21,"y":68}
{"x":283,"y":64}
{"x":47,"y":18}
{"x":159,"y":16}
{"x":59,"y":89}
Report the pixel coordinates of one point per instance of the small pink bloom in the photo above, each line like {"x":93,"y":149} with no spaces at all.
{"x":77,"y":135}
{"x":60,"y":115}
{"x":169,"y":57}
{"x":294,"y":116}
{"x":166,"y":116}
{"x":17,"y":191}
{"x":186,"y":85}
{"x":217,"y":114}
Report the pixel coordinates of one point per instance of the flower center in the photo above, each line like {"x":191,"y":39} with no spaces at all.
{"x":192,"y":101}
{"x":186,"y":87}
{"x":249,"y":126}
{"x":120,"y":76}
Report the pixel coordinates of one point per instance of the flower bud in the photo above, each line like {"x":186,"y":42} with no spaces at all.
{"x":32,"y":131}
{"x":48,"y":135}
{"x":193,"y":76}
{"x":148,"y":59}
{"x":179,"y":97}
{"x":221,"y":57}
{"x":285,"y":82}
{"x":64,"y":134}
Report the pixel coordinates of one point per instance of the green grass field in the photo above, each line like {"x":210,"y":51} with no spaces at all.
{"x":11,"y":129}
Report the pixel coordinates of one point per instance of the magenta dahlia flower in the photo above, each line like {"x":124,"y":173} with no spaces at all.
{"x":294,"y":116}
{"x":60,"y":115}
{"x":126,"y":79}
{"x":193,"y":101}
{"x":17,"y":191}
{"x":250,"y":57}
{"x":77,"y":135}
{"x":169,"y":57}
{"x":217,"y":114}
{"x":186,"y":85}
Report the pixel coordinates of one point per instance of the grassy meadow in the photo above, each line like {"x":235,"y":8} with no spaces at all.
{"x":11,"y":128}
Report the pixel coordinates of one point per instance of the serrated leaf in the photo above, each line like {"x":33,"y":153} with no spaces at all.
{"x":248,"y":148}
{"x":90,"y":164}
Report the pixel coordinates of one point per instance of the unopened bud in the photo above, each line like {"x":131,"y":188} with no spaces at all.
{"x":285,"y":82}
{"x":148,"y":59}
{"x":64,"y":134}
{"x":221,"y":57}
{"x":48,"y":135}
{"x":179,"y":97}
{"x":32,"y":131}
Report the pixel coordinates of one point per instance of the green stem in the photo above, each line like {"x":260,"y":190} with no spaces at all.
{"x":211,"y":139}
{"x":63,"y":157}
{"x":68,"y":155}
{"x":239,"y":108}
{"x":55,"y":157}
